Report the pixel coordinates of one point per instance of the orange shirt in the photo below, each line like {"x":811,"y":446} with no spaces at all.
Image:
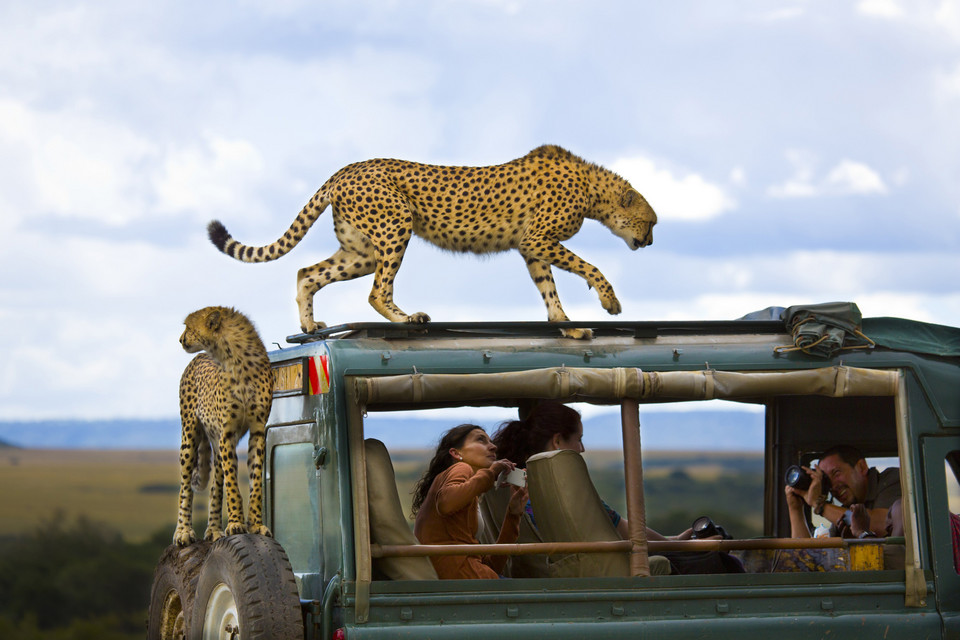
{"x":448,"y":515}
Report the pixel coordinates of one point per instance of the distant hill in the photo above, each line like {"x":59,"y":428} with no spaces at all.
{"x":93,"y":434}
{"x":660,"y":430}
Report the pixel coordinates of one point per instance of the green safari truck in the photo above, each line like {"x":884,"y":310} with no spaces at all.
{"x":343,"y":562}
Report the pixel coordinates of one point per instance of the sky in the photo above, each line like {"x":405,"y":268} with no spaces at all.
{"x":795,"y":152}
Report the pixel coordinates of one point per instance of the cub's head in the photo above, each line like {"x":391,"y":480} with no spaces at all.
{"x":202,"y":331}
{"x":632,"y":219}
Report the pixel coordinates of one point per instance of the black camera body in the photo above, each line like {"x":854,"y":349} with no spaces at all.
{"x":800,"y":480}
{"x":703,"y":527}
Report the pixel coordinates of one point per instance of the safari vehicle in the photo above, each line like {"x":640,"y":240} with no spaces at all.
{"x":344,"y":563}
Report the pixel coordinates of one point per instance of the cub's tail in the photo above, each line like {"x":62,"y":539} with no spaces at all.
{"x":222,"y":239}
{"x":201,"y":472}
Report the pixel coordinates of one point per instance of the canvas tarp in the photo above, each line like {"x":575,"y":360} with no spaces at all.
{"x":606,"y":385}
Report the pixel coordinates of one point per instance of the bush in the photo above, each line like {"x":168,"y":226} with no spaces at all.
{"x":75,"y":580}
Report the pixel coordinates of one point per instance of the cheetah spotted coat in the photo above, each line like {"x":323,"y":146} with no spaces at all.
{"x":530,"y":204}
{"x":224,"y":392}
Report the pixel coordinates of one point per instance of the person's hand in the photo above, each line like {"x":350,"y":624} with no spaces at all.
{"x":859,"y":520}
{"x":518,"y":500}
{"x":795,"y":499}
{"x":815,"y":490}
{"x":502,"y":465}
{"x":686,"y":535}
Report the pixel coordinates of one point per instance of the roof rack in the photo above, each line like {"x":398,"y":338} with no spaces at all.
{"x":645,"y":329}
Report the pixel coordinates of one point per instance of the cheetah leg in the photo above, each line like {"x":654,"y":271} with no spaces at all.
{"x":381,"y":295}
{"x":184,"y":534}
{"x":255,"y":449}
{"x":353,"y":260}
{"x":543,"y":277}
{"x":231,"y":487}
{"x":215,"y":505}
{"x":550,"y":252}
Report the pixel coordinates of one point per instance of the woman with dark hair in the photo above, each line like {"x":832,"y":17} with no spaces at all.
{"x":551,"y":426}
{"x":446,"y":500}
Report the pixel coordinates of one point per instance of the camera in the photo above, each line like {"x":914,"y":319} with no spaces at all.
{"x":517,"y":477}
{"x":799,"y":479}
{"x":704,"y":527}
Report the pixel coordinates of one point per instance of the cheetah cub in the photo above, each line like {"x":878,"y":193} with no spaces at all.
{"x":224,"y":392}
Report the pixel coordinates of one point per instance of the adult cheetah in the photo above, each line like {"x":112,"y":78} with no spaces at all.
{"x":530,"y":204}
{"x":224,"y":392}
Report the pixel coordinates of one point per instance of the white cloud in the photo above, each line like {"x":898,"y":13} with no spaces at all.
{"x":687,"y":197}
{"x":851,"y":177}
{"x":70,"y":163}
{"x":947,"y":17}
{"x":214,"y":176}
{"x":848,"y":177}
{"x":880,"y":8}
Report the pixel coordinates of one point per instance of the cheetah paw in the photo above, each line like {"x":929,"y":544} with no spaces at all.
{"x":309,"y":326}
{"x":213,"y":534}
{"x":233,"y":528}
{"x":260,"y":530}
{"x":184,"y":536}
{"x":611,"y":304}
{"x":417,"y":318}
{"x":577,"y":334}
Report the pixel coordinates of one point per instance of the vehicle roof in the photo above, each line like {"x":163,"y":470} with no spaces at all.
{"x":898,"y":334}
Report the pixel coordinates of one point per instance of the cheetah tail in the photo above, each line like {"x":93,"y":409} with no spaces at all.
{"x":222,"y":239}
{"x":201,"y":472}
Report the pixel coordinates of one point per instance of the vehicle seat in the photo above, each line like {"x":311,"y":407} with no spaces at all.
{"x":567,"y":508}
{"x":387,"y":524}
{"x":493,"y":506}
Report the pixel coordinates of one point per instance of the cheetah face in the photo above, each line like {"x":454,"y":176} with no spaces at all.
{"x":633,"y":220}
{"x":201,"y":329}
{"x":189,"y":341}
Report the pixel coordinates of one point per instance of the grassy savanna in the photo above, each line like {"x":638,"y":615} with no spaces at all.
{"x":133,"y":492}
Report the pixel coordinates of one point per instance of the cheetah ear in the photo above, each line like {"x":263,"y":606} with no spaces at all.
{"x":628,"y":198}
{"x":213,"y":321}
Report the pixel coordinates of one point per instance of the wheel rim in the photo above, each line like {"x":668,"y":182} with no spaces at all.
{"x":171,"y":617}
{"x":220,"y":620}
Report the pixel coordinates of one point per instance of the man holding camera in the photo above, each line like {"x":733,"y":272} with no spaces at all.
{"x":843,"y":472}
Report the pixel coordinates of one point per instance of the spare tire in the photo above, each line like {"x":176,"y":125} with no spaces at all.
{"x":173,"y":591}
{"x":246,"y":591}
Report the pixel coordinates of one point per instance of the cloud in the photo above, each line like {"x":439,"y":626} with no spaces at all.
{"x":213,"y":175}
{"x":70,"y":164}
{"x":938,"y":16}
{"x":689,"y":197}
{"x":880,"y":8}
{"x":851,"y":177}
{"x":847,"y":178}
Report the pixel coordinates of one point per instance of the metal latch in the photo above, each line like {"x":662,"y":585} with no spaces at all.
{"x":319,"y":456}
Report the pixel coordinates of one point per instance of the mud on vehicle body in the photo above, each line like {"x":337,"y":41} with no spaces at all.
{"x":359,"y":573}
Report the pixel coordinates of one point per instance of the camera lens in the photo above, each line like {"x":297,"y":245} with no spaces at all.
{"x":703,"y":527}
{"x":797,"y":478}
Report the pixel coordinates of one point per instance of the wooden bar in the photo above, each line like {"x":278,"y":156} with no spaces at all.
{"x":633,"y":478}
{"x":552,"y":548}
{"x":516,"y":549}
